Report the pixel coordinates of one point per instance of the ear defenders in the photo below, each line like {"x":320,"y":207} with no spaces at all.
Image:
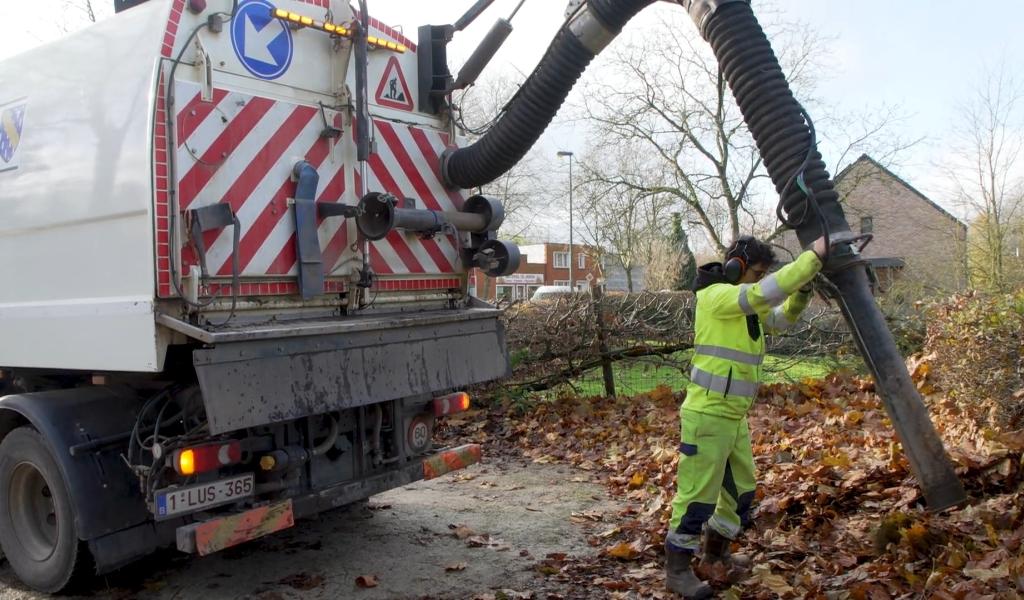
{"x":736,"y":266}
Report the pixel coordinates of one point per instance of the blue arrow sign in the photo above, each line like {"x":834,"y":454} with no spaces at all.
{"x":261,"y":42}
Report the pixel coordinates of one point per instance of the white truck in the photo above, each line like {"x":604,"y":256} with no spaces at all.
{"x":236,"y":287}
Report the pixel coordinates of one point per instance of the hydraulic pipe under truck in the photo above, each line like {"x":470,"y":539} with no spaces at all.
{"x":785,"y":138}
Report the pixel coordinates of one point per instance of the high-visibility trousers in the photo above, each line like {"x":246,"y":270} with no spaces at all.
{"x":715,"y":480}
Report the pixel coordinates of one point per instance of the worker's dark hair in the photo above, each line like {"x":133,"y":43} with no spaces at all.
{"x":751,"y":250}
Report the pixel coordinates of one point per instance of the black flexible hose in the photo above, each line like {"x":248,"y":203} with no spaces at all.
{"x":785,"y":138}
{"x":529,"y":113}
{"x":776,"y":120}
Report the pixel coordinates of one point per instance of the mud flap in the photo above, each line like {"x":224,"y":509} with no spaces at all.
{"x":248,"y":383}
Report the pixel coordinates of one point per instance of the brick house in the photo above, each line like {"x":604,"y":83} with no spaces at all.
{"x":542,"y":264}
{"x":915,"y":239}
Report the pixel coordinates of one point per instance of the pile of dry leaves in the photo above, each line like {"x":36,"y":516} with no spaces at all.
{"x":838,"y":513}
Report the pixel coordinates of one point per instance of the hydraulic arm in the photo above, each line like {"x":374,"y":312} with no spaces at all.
{"x":784,"y":134}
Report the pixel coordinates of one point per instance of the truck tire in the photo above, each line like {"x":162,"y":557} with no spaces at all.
{"x":37,"y":521}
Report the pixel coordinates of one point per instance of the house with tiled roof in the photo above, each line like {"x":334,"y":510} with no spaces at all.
{"x":915,"y":240}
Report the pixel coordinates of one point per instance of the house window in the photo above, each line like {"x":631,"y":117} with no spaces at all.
{"x":504,"y":292}
{"x":561,"y":260}
{"x":866,"y":226}
{"x":561,"y":282}
{"x":581,"y":263}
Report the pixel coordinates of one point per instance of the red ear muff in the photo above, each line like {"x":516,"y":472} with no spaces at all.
{"x":735,"y":267}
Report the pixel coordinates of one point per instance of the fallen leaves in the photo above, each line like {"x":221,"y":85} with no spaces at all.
{"x":832,"y":473}
{"x":763,"y":575}
{"x":627,"y":551}
{"x":367,"y":581}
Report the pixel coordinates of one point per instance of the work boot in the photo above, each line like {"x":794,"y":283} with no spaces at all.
{"x":717,"y":550}
{"x":679,"y":577}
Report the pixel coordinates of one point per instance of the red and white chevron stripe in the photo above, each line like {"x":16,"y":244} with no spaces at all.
{"x":240,"y":148}
{"x":406,"y":166}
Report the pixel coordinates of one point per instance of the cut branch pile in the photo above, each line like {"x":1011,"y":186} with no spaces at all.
{"x":556,"y":341}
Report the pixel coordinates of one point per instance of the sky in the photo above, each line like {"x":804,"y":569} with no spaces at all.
{"x":924,"y":56}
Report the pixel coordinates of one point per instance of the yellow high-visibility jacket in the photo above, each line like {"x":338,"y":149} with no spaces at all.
{"x":729,"y":328}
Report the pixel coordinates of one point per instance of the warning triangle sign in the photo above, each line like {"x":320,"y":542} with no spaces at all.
{"x":393,"y":91}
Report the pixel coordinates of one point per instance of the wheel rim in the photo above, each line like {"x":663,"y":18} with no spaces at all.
{"x":33,"y":511}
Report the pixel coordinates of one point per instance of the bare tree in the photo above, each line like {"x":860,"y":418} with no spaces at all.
{"x":671,"y":99}
{"x":83,"y":5}
{"x":986,"y":174}
{"x":76,"y":14}
{"x":519,"y":188}
{"x":626,"y":222}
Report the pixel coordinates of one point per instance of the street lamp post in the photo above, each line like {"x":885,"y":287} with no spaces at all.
{"x":572,"y":284}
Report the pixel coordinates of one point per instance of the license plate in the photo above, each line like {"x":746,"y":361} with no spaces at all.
{"x":177,"y":501}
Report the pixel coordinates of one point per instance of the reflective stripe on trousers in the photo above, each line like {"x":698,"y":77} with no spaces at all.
{"x":722,"y":385}
{"x":730,"y":354}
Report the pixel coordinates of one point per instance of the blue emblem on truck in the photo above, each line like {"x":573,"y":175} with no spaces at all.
{"x":12,"y":119}
{"x":261,"y":42}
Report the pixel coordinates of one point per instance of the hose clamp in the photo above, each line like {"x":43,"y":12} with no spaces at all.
{"x":702,"y":10}
{"x":590,"y":31}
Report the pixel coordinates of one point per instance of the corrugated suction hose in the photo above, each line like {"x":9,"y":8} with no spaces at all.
{"x":778,"y":123}
{"x":530,"y":111}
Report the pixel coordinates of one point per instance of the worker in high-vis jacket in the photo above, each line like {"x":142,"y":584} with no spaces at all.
{"x":737,"y":302}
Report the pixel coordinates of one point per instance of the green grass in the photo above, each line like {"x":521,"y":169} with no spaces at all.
{"x":633,"y":377}
{"x":788,"y":369}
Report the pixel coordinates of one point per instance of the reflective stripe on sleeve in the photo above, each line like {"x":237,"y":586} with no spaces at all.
{"x":778,"y":320}
{"x":730,"y":354}
{"x":773,"y":294}
{"x":744,"y":301}
{"x":717,"y":383}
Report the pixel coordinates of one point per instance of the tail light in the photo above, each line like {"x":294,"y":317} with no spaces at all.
{"x":209,"y":457}
{"x":451,"y":404}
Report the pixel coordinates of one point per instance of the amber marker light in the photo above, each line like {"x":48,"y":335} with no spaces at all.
{"x":187,"y":462}
{"x":334,"y":29}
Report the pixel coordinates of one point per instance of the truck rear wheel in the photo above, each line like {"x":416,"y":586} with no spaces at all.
{"x":37,"y":522}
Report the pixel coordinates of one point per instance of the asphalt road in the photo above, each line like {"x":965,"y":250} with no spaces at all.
{"x":480,"y":533}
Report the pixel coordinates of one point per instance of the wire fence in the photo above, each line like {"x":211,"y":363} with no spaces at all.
{"x":645,"y":341}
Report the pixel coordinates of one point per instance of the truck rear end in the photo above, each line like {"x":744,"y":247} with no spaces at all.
{"x":232,"y":307}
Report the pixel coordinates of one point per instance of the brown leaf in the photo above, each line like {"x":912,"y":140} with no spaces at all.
{"x":1000,"y":572}
{"x":616,"y":586}
{"x":367,"y":581}
{"x":626,"y":551}
{"x":461,"y":531}
{"x":456,"y":567}
{"x":776,"y":583}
